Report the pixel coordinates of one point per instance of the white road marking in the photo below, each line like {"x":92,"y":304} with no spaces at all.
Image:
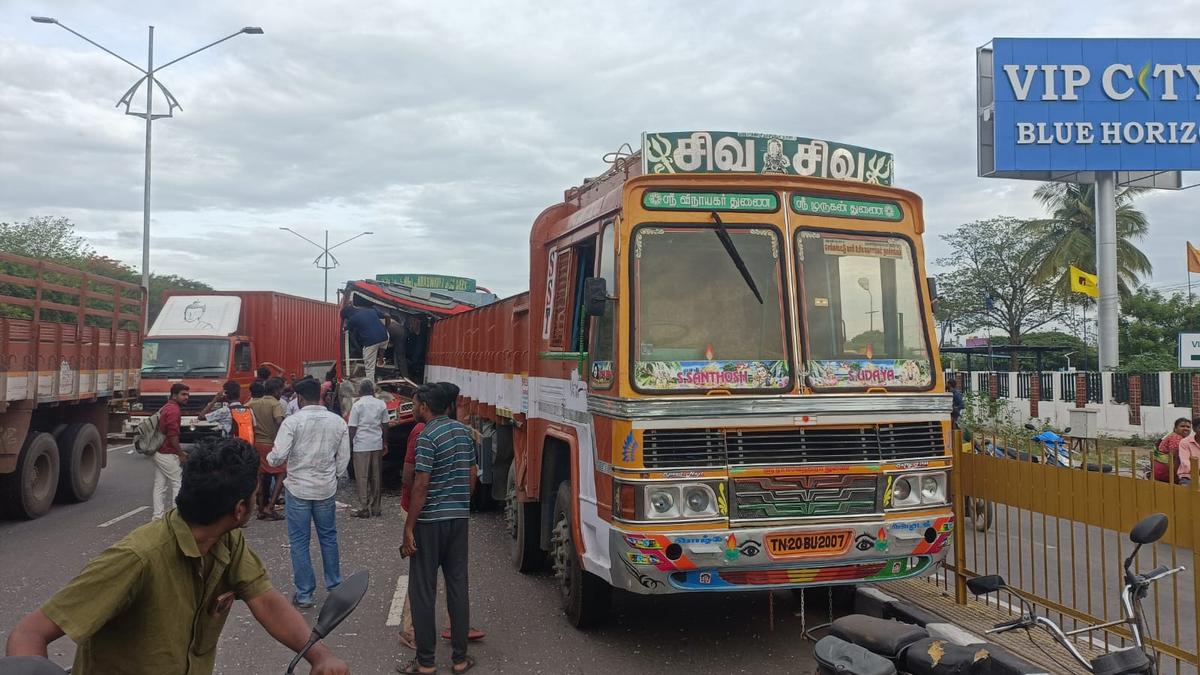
{"x":396,"y":613}
{"x":120,"y":447}
{"x":123,"y":516}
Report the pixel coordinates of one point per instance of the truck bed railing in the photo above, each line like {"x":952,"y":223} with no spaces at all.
{"x":52,"y":314}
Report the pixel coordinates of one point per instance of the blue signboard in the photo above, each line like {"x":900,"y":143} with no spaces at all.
{"x":1072,"y":105}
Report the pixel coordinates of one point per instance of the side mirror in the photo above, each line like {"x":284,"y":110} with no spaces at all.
{"x":1030,"y":427}
{"x":931,"y":284}
{"x":341,"y":602}
{"x":1149,"y":529}
{"x":595,"y":295}
{"x":1067,"y":430}
{"x":986,"y":584}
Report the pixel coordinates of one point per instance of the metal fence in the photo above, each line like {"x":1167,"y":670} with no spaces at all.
{"x":1151,"y":391}
{"x":1025,"y":385}
{"x":1181,"y":390}
{"x":1060,"y":535}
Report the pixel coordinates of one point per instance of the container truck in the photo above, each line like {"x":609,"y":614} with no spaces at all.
{"x":70,"y":343}
{"x":724,"y":376}
{"x":205,"y":339}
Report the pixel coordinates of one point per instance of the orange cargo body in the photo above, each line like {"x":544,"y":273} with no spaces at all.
{"x":198,"y":340}
{"x":70,"y":342}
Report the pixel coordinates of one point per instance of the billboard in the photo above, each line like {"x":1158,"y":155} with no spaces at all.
{"x":1064,"y":108}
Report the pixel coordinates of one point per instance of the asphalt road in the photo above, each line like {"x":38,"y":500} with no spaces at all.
{"x":526,"y":631}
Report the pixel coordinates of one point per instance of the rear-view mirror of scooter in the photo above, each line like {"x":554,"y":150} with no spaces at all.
{"x":989,"y":583}
{"x":1030,"y":427}
{"x":342,"y":601}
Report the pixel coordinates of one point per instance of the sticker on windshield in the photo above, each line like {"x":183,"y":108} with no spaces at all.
{"x":862,"y":373}
{"x":602,"y":374}
{"x":711,"y":374}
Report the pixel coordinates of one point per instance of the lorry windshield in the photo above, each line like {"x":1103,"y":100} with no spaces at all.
{"x":191,"y":356}
{"x":697,"y":323}
{"x":863,"y":320}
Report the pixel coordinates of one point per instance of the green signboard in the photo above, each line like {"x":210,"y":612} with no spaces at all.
{"x":756,"y":202}
{"x":847,"y":208}
{"x":437,"y":282}
{"x":735,"y":152}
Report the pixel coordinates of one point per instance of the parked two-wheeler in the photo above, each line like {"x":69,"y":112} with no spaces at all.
{"x":342,"y":601}
{"x":1128,"y":661}
{"x":865,"y":645}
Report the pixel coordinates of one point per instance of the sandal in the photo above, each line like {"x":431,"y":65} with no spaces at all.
{"x":463,"y":666}
{"x":414,"y":668}
{"x":473,"y":635}
{"x":407,"y":640}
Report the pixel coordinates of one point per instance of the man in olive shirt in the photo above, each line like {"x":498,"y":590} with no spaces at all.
{"x":156,"y":601}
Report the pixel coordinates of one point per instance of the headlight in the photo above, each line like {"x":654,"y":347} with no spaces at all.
{"x":666,"y":501}
{"x":663,"y":502}
{"x":699,"y":501}
{"x":919,"y":489}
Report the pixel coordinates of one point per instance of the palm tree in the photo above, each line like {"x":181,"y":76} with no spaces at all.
{"x":1068,"y":236}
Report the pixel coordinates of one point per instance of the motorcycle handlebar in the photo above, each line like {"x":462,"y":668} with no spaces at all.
{"x":1160,"y":572}
{"x":1005,"y":626}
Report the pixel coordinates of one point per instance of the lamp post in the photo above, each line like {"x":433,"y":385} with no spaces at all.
{"x":326,"y":261}
{"x":127,"y":100}
{"x":865,"y":284}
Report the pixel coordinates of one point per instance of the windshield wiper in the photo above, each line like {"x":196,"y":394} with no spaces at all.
{"x":189,"y":370}
{"x":155,"y":366}
{"x":736,"y":257}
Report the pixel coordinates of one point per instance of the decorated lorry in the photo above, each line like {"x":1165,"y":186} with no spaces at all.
{"x":723,"y":378}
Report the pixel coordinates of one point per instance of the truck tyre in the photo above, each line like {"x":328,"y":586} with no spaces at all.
{"x":586,"y":598}
{"x":79,"y":459}
{"x":522,"y":521}
{"x":29,"y":491}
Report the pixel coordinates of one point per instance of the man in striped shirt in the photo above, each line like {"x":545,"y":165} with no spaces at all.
{"x":435,"y":532}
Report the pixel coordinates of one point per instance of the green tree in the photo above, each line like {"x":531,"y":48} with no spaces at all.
{"x":1149,"y":327}
{"x":45,"y":238}
{"x":990,"y":283}
{"x":1068,"y":236}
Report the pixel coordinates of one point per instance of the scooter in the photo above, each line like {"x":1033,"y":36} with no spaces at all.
{"x":866,"y":645}
{"x":342,"y":602}
{"x":1133,"y":660}
{"x":1056,"y":453}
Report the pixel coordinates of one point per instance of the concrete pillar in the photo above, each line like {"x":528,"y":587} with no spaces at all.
{"x":1035,"y":393}
{"x":1135,"y":399}
{"x":1195,"y":395}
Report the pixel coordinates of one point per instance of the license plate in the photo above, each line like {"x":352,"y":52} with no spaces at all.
{"x":807,"y":544}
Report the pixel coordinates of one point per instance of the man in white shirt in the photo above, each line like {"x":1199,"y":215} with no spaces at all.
{"x":315,"y":445}
{"x":368,"y":429}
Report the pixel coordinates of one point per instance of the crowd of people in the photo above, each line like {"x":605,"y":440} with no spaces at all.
{"x":290,"y":442}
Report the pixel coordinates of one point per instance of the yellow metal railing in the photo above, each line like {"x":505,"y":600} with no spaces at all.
{"x":1060,"y":536}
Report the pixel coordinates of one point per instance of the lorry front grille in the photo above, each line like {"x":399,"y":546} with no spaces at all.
{"x":674,"y":448}
{"x":805,"y":496}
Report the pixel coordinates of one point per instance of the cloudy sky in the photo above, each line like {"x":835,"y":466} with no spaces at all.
{"x":445,"y":128}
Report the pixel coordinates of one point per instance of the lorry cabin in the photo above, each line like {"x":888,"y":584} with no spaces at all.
{"x":70,"y":343}
{"x":204,"y":339}
{"x":724,"y":376}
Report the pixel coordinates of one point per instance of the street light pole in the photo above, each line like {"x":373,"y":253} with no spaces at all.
{"x":146,"y":187}
{"x":149,"y":116}
{"x":326,"y":261}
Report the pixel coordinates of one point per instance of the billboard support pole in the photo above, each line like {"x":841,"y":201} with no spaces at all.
{"x":1106,"y":268}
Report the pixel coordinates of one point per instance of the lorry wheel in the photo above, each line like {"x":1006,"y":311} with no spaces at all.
{"x":79,"y":448}
{"x":29,"y":491}
{"x":586,"y":598}
{"x":521,"y":520}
